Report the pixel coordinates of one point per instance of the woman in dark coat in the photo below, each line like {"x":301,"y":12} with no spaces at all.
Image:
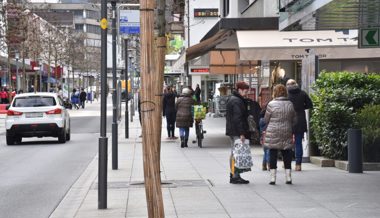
{"x":168,"y":109}
{"x":301,"y":101}
{"x":237,"y":125}
{"x":184,"y":116}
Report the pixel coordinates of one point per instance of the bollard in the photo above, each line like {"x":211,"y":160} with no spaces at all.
{"x":355,"y":151}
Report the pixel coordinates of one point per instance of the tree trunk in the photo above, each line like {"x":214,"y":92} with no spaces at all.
{"x":149,"y":110}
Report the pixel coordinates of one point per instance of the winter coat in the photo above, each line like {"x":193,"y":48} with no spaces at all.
{"x":83,"y":96}
{"x":168,"y":104}
{"x":280,"y":117}
{"x":301,"y":101}
{"x":236,"y":116}
{"x":184,"y":117}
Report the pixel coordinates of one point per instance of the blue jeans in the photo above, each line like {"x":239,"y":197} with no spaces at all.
{"x":299,"y":149}
{"x":184,"y":132}
{"x":266,"y":155}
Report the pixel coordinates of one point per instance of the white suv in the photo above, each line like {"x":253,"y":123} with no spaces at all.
{"x":37,"y":115}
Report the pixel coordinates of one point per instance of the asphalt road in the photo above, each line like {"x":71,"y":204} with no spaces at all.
{"x":35,"y":175}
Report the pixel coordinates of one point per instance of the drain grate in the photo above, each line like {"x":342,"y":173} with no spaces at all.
{"x":164,"y":184}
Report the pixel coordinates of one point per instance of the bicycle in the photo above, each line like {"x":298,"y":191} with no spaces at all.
{"x":199,"y":132}
{"x":199,"y":113}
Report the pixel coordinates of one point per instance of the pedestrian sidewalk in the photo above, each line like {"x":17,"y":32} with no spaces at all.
{"x":196,"y":184}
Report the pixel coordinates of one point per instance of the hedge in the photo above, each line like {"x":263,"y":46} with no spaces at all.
{"x":337,"y":98}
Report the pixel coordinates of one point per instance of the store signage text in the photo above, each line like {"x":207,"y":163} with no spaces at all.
{"x":206,"y":12}
{"x":200,"y":70}
{"x":309,"y":40}
{"x":301,"y":56}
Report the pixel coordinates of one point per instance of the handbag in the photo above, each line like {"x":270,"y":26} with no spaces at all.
{"x":242,"y":154}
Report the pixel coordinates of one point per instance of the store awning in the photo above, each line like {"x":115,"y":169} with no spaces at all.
{"x":295,"y":45}
{"x":225,"y":29}
{"x":208,"y":44}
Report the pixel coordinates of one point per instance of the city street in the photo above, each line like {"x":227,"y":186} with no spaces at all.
{"x":35,"y":175}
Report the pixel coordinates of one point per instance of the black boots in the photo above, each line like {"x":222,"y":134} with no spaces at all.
{"x":238,"y":180}
{"x":186,"y":139}
{"x":182,"y":142}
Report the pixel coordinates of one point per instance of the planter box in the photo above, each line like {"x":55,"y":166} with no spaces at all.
{"x":343,"y":165}
{"x":322,"y":161}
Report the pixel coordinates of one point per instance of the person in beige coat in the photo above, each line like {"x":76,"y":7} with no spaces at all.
{"x":280,"y":117}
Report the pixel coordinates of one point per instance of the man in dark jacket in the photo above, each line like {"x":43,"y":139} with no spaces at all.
{"x":82,"y":97}
{"x":237,"y":125}
{"x":301,"y":101}
{"x":168,"y":110}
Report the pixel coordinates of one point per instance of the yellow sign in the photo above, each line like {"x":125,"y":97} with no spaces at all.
{"x":103,"y":23}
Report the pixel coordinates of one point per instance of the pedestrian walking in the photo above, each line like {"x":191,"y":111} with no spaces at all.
{"x":82,"y":97}
{"x":280,"y":118}
{"x":75,"y":98}
{"x":301,"y":101}
{"x":237,"y":126}
{"x":184,"y":116}
{"x":4,"y":96}
{"x":168,"y":110}
{"x":197,"y":94}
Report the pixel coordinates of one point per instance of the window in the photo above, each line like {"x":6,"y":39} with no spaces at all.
{"x":226,"y":8}
{"x":93,"y":29}
{"x":34,"y":101}
{"x":79,"y":27}
{"x":93,"y":15}
{"x":78,"y":13}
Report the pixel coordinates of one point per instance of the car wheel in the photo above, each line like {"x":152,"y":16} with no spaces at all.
{"x":62,"y":136}
{"x":68,"y":135}
{"x":10,"y":140}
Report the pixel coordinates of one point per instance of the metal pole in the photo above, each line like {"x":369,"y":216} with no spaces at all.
{"x":17,"y":76}
{"x":126,"y":88}
{"x":132,"y":80}
{"x":103,"y":140}
{"x":41,"y":76}
{"x":114,"y":107}
{"x":355,"y":151}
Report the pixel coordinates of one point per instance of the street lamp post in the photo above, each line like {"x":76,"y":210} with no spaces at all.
{"x":132,"y":80}
{"x":114,"y":107}
{"x":103,"y":140}
{"x":126,"y":88}
{"x":17,"y":75}
{"x":41,"y":72}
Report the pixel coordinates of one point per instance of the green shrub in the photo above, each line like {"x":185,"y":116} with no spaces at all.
{"x":337,"y":98}
{"x":368,"y":119}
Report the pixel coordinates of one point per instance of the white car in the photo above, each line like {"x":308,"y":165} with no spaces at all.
{"x":37,"y":115}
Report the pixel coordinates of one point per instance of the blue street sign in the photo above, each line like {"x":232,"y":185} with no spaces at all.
{"x":129,"y":22}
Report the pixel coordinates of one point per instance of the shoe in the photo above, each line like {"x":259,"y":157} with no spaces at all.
{"x":265,"y":168}
{"x":186,"y":139}
{"x":174,"y":137}
{"x":238,"y":180}
{"x":182,"y":142}
{"x":298,"y":167}
{"x":273,"y":177}
{"x":288,"y":176}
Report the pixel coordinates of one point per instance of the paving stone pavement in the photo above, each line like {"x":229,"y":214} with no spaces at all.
{"x":196,"y":184}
